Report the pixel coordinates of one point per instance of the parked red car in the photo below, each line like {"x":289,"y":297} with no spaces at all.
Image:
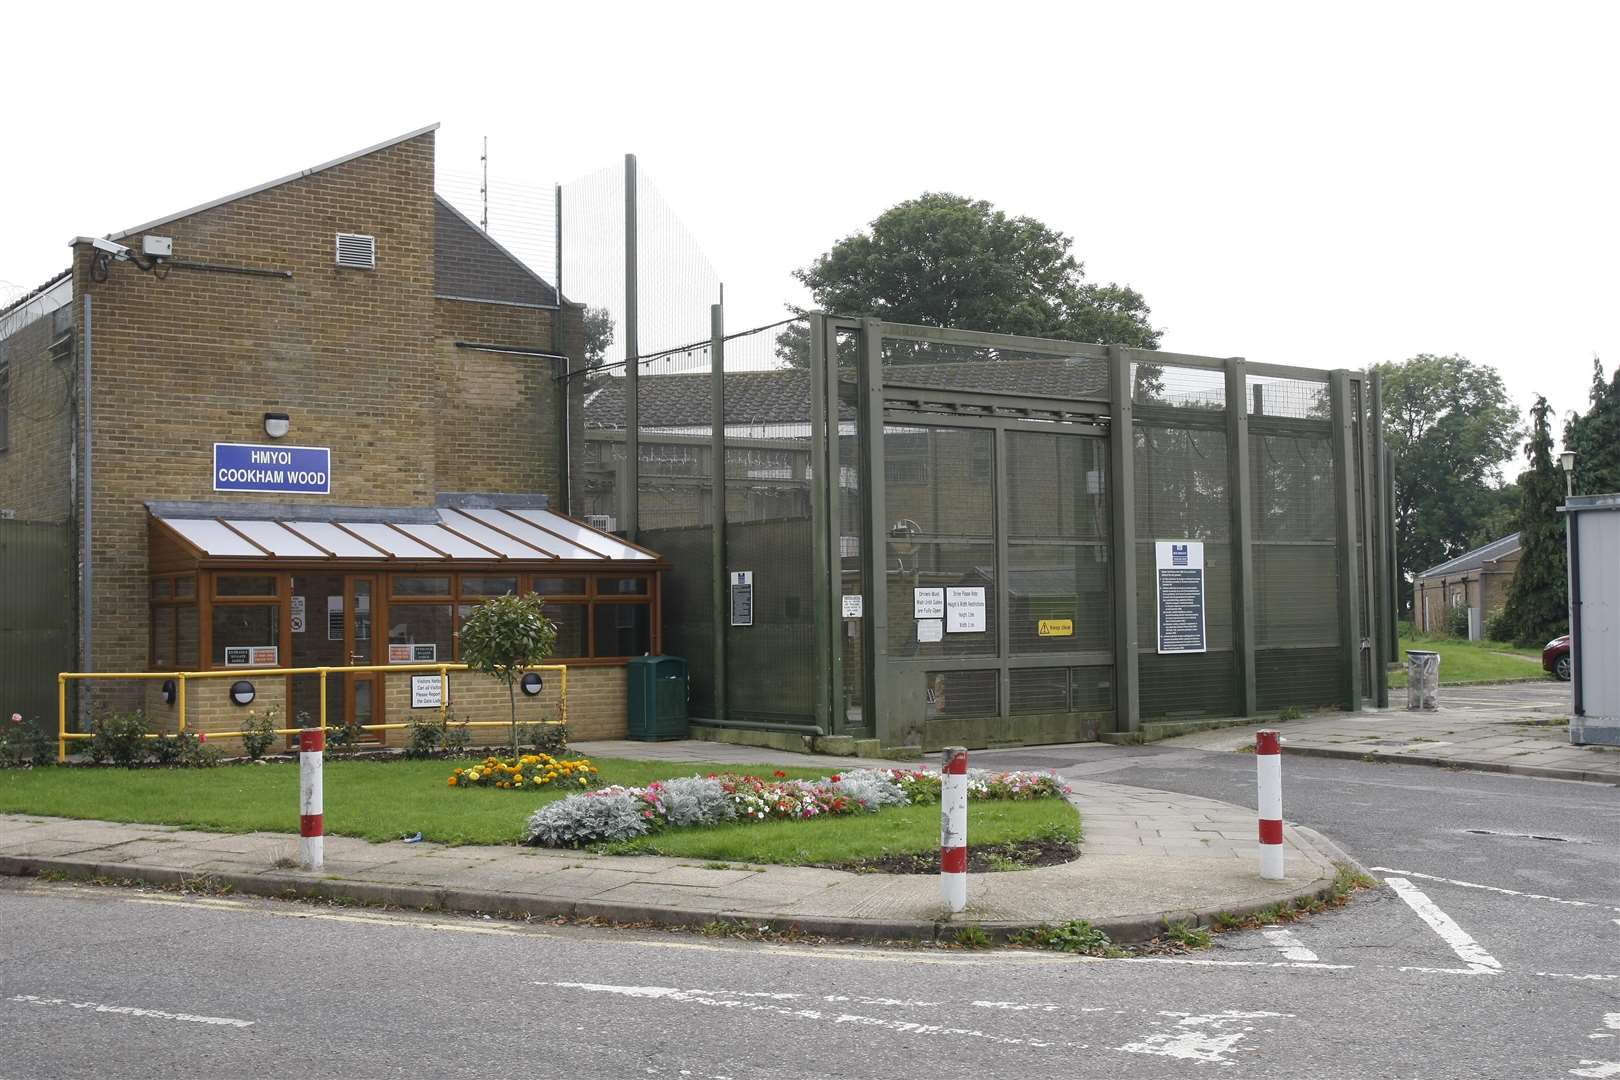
{"x":1555,"y":657}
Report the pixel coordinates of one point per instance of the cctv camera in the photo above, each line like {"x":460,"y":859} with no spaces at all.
{"x":117,"y":251}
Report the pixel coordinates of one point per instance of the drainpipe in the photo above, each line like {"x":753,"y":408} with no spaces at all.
{"x":86,"y":657}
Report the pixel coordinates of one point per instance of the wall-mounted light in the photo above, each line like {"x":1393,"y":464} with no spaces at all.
{"x":168,"y":691}
{"x":532,"y":683}
{"x":242,"y":692}
{"x":276,"y":424}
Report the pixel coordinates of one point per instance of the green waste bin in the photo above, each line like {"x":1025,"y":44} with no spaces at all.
{"x":657,"y":698}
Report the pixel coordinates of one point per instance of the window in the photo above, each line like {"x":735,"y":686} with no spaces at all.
{"x":244,"y":585}
{"x":419,"y":625}
{"x":174,"y":623}
{"x":422,"y":585}
{"x":247,"y":634}
{"x":555,"y":586}
{"x":622,"y":630}
{"x":480,"y":585}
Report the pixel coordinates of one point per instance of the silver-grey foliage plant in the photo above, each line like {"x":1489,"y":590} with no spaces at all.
{"x":581,"y":819}
{"x":694,"y":800}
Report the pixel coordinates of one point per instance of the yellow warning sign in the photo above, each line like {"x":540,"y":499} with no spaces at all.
{"x":1056,"y":627}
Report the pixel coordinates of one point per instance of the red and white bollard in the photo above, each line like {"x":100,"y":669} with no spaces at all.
{"x":953,"y":788}
{"x":1268,"y":766}
{"x":311,"y":816}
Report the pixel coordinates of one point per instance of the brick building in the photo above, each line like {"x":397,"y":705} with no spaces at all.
{"x":1476,"y":582}
{"x":388,"y":375}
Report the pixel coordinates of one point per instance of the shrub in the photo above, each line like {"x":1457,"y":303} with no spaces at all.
{"x":202,"y":754}
{"x":259,"y":733}
{"x":172,"y":750}
{"x":120,"y":738}
{"x":526,"y":773}
{"x":426,"y":736}
{"x":1457,"y":622}
{"x":546,"y":737}
{"x":614,"y":814}
{"x":456,"y":734}
{"x":692,"y":800}
{"x":22,"y":743}
{"x":1497,"y":627}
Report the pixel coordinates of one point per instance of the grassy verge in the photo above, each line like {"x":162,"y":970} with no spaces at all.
{"x":896,"y":830}
{"x":386,"y":800}
{"x":1464,"y":662}
{"x":374,"y":800}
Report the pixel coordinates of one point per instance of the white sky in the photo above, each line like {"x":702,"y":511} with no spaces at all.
{"x":1327,"y":186}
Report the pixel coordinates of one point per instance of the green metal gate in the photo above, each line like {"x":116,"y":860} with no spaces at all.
{"x":36,"y":616}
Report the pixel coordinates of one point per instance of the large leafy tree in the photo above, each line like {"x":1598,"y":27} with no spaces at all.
{"x":1538,"y":601}
{"x":1595,"y":437}
{"x":1450,"y":427}
{"x":947,"y":260}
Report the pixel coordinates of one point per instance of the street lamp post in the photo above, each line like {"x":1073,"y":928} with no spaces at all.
{"x":1567,"y":460}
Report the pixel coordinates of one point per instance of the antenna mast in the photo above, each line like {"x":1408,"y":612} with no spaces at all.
{"x":483,"y":191}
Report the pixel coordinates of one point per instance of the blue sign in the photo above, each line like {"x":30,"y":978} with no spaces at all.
{"x":246,"y":467}
{"x":1178,"y":554}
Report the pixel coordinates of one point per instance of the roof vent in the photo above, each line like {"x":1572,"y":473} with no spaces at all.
{"x":357,"y":251}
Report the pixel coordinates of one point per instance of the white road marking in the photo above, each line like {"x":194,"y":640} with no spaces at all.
{"x":1599,"y":1070}
{"x":1200,"y":1038}
{"x":1292,"y":948}
{"x":1193,"y":961}
{"x":131,"y":1010}
{"x":1453,"y":935}
{"x":726,"y":999}
{"x":1494,"y":889}
{"x":1565,"y":975}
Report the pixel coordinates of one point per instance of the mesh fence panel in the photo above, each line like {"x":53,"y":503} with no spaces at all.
{"x":675,"y":492}
{"x":1296,"y":568}
{"x":1297,"y":399}
{"x":1182,"y":493}
{"x":769,"y":468}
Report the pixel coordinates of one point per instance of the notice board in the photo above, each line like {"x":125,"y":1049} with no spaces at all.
{"x":1180,"y":586}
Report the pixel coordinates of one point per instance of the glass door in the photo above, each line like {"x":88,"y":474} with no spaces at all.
{"x":360,"y":690}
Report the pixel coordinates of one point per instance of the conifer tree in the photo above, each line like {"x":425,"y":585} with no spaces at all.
{"x":1595,"y":437}
{"x":1538,"y":602}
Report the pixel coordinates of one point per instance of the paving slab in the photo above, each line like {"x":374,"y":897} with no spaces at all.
{"x":1478,"y":727}
{"x":1147,"y":856}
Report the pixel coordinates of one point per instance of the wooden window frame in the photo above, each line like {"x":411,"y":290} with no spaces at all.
{"x":169,"y":607}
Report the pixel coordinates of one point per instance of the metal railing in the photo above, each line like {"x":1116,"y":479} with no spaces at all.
{"x":181,"y":678}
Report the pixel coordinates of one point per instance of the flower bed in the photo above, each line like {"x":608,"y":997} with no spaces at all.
{"x":622,"y":813}
{"x":527,"y":772}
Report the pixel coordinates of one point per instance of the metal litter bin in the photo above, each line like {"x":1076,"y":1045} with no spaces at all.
{"x":657,"y":698}
{"x":1422,"y":680}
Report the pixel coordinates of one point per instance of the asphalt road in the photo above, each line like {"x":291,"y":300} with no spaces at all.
{"x":1445,"y":978}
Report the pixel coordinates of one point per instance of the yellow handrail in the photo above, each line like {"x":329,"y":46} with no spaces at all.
{"x":63,"y":735}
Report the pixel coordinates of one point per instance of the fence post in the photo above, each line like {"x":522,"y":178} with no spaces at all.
{"x":61,"y":718}
{"x":323,"y":700}
{"x":180,"y":700}
{"x":1268,"y":768}
{"x":444,"y":693}
{"x":953,"y":828}
{"x":311,"y":813}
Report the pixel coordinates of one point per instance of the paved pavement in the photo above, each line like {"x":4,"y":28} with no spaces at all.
{"x":1147,"y":856}
{"x":1520,"y":728}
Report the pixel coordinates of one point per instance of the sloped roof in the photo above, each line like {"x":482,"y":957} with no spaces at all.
{"x":299,"y":175}
{"x":1494,"y":551}
{"x":469,"y":265}
{"x":782,"y":396}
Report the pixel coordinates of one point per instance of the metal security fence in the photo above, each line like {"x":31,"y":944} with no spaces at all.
{"x":933,"y":536}
{"x":37,"y":591}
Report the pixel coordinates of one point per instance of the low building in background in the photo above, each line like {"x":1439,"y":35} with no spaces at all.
{"x":1475,"y":583}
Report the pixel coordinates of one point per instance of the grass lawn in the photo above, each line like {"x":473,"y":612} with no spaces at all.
{"x":1472,"y":661}
{"x":388,"y":800}
{"x":892,"y":831}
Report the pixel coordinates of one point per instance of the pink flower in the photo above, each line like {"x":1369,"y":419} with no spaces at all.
{"x":16,"y":718}
{"x":203,"y":737}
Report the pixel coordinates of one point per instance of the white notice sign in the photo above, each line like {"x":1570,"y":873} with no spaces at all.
{"x":297,"y":617}
{"x":964,"y":610}
{"x":427,"y":692}
{"x":930,"y":630}
{"x":852,"y":605}
{"x":1180,"y":585}
{"x":927,"y":603}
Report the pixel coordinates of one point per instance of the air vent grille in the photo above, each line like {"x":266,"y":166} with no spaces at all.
{"x":357,"y":251}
